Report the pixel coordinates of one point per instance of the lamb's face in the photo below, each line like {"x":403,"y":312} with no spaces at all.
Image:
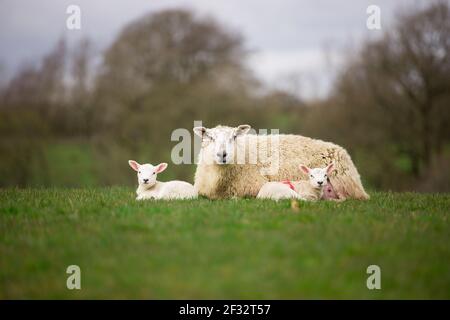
{"x":318,"y":177}
{"x":147,"y":173}
{"x":219,"y":144}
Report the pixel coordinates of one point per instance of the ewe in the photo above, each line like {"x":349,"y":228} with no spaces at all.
{"x":149,"y":188}
{"x":303,"y":190}
{"x":219,"y":175}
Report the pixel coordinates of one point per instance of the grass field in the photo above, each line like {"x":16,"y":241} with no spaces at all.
{"x":221,"y":249}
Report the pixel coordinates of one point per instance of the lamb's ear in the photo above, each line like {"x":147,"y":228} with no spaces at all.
{"x":133,"y":164}
{"x":305,"y":169}
{"x":242,"y":129}
{"x":161,"y":167}
{"x":330,"y":168}
{"x":200,"y":131}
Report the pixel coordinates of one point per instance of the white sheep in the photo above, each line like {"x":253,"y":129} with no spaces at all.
{"x":219,"y":175}
{"x":311,"y":189}
{"x":150,"y":188}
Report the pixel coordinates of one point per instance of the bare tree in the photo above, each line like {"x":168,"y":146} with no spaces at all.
{"x":400,"y":85}
{"x":170,"y":46}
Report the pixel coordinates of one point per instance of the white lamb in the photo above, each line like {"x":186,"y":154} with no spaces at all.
{"x":311,"y":189}
{"x":150,"y":188}
{"x":219,"y":175}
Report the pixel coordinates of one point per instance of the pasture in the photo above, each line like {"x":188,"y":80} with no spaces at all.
{"x":204,"y":249}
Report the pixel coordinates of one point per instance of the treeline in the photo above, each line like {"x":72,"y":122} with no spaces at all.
{"x":71,"y":122}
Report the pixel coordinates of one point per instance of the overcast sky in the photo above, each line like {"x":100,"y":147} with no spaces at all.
{"x":294,"y":42}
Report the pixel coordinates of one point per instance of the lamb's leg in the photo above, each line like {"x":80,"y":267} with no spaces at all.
{"x":144,"y":196}
{"x":299,"y":197}
{"x":288,"y":193}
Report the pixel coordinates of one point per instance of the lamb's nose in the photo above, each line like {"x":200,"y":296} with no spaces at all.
{"x":320,"y":182}
{"x":145,"y":180}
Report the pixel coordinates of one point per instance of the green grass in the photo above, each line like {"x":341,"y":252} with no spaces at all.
{"x":221,"y":249}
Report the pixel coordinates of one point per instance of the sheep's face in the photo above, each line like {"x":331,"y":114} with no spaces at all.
{"x":147,"y":173}
{"x":318,"y":177}
{"x":219,"y":144}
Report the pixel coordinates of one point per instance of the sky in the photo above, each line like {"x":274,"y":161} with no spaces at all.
{"x":294,"y":45}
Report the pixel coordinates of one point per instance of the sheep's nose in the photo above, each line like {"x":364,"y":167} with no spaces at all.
{"x":320,"y":182}
{"x":222,"y":154}
{"x":145,"y":180}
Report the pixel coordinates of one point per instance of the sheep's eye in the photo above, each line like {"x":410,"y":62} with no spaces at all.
{"x":154,"y":172}
{"x":311,"y":176}
{"x":139,"y":172}
{"x":326,"y":176}
{"x":207,"y":137}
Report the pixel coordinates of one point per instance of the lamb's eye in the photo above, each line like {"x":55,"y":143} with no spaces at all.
{"x":311,"y":176}
{"x":154,"y":173}
{"x":139,"y":172}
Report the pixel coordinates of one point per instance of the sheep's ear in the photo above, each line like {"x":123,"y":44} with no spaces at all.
{"x":133,"y":164}
{"x":242,"y":129}
{"x":305,"y":169}
{"x":200,"y":131}
{"x":161,"y":167}
{"x":330,"y":167}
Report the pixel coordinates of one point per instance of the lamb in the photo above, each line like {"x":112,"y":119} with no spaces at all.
{"x":150,"y":188}
{"x":303,"y":190}
{"x":219,"y":175}
{"x":275,"y":190}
